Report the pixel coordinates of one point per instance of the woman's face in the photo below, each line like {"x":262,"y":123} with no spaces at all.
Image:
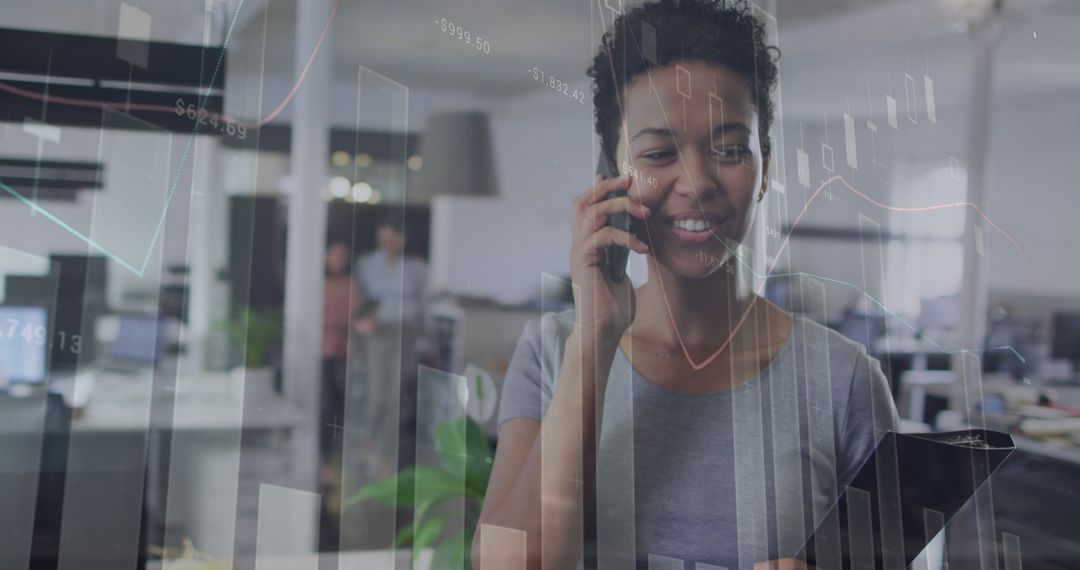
{"x":690,"y":138}
{"x":337,"y":257}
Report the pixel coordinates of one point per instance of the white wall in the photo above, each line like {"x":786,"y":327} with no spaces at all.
{"x":36,"y":234}
{"x":498,"y":247}
{"x":1035,"y":196}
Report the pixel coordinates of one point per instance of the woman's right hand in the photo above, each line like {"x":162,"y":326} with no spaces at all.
{"x":603,"y":307}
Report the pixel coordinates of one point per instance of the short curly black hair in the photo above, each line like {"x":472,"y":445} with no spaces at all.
{"x":717,"y":32}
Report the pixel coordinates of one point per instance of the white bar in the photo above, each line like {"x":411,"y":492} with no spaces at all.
{"x":849,"y":140}
{"x":133,"y":35}
{"x":50,"y":79}
{"x":42,"y":131}
{"x":934,"y":553}
{"x":931,"y":107}
{"x":803,"y":161}
{"x":658,"y":562}
{"x":501,"y":547}
{"x":912,"y":102}
{"x":712,"y":119}
{"x":286,"y":518}
{"x":860,"y":529}
{"x":134,"y":23}
{"x":648,"y":41}
{"x":680,"y":71}
{"x":1010,"y":543}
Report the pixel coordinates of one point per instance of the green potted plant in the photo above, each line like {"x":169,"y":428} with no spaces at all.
{"x":254,"y":333}
{"x":465,"y":466}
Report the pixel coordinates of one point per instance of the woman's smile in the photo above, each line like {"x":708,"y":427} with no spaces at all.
{"x":694,"y":226}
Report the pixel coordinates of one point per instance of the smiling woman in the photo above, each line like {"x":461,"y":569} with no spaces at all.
{"x":689,"y":419}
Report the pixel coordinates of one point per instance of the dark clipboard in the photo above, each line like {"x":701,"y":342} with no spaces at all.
{"x":904,"y":495}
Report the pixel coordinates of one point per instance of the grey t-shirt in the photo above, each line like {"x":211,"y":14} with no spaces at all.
{"x":723,"y":479}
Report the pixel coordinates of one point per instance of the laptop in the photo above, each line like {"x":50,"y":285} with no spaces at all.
{"x":139,"y":344}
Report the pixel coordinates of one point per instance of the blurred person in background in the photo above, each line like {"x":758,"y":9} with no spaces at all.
{"x":395,"y":285}
{"x":341,"y":291}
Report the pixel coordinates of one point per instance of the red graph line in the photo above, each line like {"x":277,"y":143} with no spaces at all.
{"x":787,"y":240}
{"x":299,"y":80}
{"x":46,"y":98}
{"x":968,"y":204}
{"x":81,"y":102}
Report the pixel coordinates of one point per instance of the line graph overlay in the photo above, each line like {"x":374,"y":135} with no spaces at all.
{"x":787,"y":239}
{"x":138,"y":156}
{"x":77,"y":102}
{"x":778,"y":254}
{"x":191,"y":138}
{"x":109,"y":105}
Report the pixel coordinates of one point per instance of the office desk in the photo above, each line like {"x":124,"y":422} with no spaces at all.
{"x":204,"y":401}
{"x":353,"y":560}
{"x":1035,"y":492}
{"x":174,"y":459}
{"x":1064,"y":394}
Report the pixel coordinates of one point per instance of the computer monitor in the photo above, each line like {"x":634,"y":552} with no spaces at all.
{"x":1019,"y":333}
{"x":24,"y":343}
{"x":1066,"y":341}
{"x":861,"y":328}
{"x":139,"y":339}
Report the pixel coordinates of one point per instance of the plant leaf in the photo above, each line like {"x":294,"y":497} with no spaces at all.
{"x":462,"y":445}
{"x":426,"y":532}
{"x":387,"y":490}
{"x":452,"y":445}
{"x":450,"y":553}
{"x":414,"y":485}
{"x":480,"y":459}
{"x":434,"y":485}
{"x":405,"y":535}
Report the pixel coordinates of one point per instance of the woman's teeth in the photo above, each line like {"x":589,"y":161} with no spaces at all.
{"x":691,"y":225}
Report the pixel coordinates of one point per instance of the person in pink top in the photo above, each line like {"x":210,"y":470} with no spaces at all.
{"x":341,"y":292}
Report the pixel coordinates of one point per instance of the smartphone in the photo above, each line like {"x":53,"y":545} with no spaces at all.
{"x":616,"y":255}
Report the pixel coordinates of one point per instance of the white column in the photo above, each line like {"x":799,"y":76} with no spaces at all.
{"x":974,"y":285}
{"x":307,"y":237}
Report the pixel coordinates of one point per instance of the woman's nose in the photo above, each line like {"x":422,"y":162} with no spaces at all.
{"x":696,"y":178}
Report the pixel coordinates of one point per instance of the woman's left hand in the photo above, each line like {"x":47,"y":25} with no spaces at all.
{"x":783,"y":564}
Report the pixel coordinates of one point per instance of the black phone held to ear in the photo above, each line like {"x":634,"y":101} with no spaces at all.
{"x":615,"y":256}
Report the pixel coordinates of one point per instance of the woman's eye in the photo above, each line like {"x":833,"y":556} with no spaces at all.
{"x":732,"y":153}
{"x":657,"y":155}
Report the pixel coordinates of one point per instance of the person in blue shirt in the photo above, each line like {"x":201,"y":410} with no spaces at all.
{"x":393,"y":332}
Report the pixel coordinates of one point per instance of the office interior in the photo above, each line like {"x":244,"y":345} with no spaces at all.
{"x":174,"y":173}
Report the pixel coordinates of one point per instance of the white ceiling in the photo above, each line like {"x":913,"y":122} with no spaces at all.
{"x":834,"y":50}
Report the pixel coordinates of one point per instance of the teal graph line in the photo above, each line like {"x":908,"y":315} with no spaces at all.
{"x":172,"y":190}
{"x":70,"y":229}
{"x":191,"y":137}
